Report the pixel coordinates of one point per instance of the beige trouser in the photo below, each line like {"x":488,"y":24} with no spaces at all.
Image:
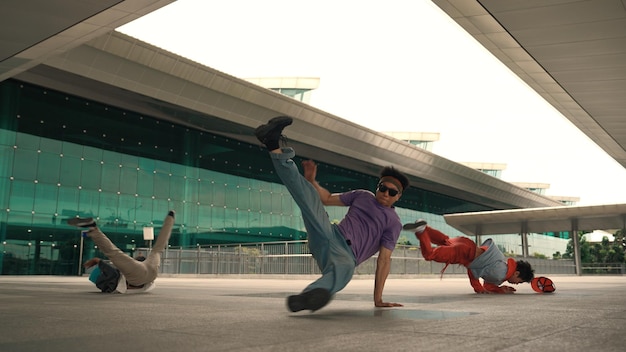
{"x":137,"y":273}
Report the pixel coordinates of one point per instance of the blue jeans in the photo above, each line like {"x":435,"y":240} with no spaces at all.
{"x":328,"y":246}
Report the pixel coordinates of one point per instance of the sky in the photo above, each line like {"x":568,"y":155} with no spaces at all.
{"x":395,"y":65}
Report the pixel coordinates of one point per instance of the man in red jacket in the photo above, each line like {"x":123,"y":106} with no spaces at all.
{"x":485,"y":261}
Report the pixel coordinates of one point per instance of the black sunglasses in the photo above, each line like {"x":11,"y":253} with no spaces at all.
{"x":382,"y":188}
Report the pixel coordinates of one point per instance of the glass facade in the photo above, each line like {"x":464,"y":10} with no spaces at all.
{"x":303,"y":95}
{"x":492,"y":172}
{"x":62,"y":156}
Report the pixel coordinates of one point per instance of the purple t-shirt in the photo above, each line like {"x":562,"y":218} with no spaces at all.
{"x":368,"y":225}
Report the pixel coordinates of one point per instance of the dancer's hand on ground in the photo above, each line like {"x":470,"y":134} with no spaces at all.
{"x":507,"y":289}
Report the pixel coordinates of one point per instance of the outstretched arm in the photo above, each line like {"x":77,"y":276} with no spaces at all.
{"x":310,"y":173}
{"x":487,"y":287}
{"x":478,"y":287}
{"x":383,"y":266}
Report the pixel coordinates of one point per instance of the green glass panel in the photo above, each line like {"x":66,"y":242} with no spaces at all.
{"x":130,"y":161}
{"x":145,"y":184}
{"x":217,"y":217}
{"x":161,"y":185}
{"x":201,"y":216}
{"x":205,"y":192}
{"x":144,"y":210}
{"x":221,"y":196}
{"x":7,"y":138}
{"x":27,"y":142}
{"x":91,"y":174}
{"x":46,"y":199}
{"x":177,"y":188}
{"x":22,"y":220}
{"x":72,"y":150}
{"x":229,"y":193}
{"x":68,"y":201}
{"x":127,"y":209}
{"x":110,"y":178}
{"x":25,"y":165}
{"x":48,"y":168}
{"x":191,"y":191}
{"x":50,"y":146}
{"x":162,"y":167}
{"x":160,"y":207}
{"x":92,"y":154}
{"x":70,"y":171}
{"x":128,"y":180}
{"x":22,"y":196}
{"x":89,"y":203}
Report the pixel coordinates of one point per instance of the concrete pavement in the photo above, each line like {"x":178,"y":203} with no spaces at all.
{"x":48,"y":313}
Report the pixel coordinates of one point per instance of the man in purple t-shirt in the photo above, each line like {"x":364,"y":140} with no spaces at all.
{"x":371,"y":224}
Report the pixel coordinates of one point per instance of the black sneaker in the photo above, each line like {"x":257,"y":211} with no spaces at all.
{"x":171,"y":213}
{"x":270,"y":133}
{"x":311,"y":300}
{"x":415,"y":225}
{"x":82,"y":222}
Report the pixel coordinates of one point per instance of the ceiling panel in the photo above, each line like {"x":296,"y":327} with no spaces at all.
{"x":578,"y":55}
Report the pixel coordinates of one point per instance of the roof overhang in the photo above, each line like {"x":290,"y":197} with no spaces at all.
{"x":572,"y":53}
{"x":539,"y":220}
{"x":34,"y":30}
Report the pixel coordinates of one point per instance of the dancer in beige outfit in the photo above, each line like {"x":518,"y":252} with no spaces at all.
{"x":135,"y":273}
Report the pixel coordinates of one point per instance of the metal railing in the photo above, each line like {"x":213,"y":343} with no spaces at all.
{"x":294,"y":258}
{"x":604,"y":268}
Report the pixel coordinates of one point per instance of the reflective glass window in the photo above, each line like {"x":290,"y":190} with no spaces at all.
{"x":161,"y":185}
{"x":93,"y":154}
{"x":191,"y":191}
{"x":89,"y":203}
{"x":71,"y":149}
{"x":70,"y":171}
{"x":26,"y":167}
{"x":68,"y":201}
{"x":128,"y":179}
{"x":145,"y":183}
{"x":144,"y":210}
{"x":22,"y":196}
{"x":48,"y":168}
{"x":160,"y":207}
{"x":46,"y":196}
{"x":91,"y":174}
{"x":7,"y":138}
{"x":110,"y":178}
{"x":203,"y":215}
{"x":231,"y":195}
{"x":177,"y":187}
{"x":27,"y":142}
{"x":50,"y":146}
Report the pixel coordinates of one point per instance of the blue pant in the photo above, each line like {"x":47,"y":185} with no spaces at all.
{"x":328,"y":246}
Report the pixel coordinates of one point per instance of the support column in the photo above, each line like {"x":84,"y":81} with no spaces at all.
{"x":577,"y":257}
{"x":524,"y":235}
{"x":478,"y":232}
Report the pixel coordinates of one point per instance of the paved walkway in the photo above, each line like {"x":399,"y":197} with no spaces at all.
{"x":46,"y":313}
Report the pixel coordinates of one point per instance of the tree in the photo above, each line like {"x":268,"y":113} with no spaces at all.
{"x":602,"y":252}
{"x":620,"y":238}
{"x":585,"y":249}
